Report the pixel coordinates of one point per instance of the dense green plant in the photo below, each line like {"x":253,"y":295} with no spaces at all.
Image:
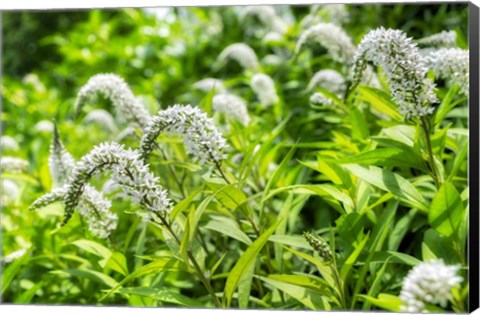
{"x":250,"y":157}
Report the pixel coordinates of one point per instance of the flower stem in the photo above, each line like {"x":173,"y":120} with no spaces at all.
{"x":196,"y":266}
{"x":426,"y":129}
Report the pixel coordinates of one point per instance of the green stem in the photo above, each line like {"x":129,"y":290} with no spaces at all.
{"x":425,"y":126}
{"x":196,"y":266}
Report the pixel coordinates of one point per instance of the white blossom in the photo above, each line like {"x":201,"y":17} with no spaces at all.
{"x":272,"y":38}
{"x":60,"y":161}
{"x":403,"y":66}
{"x":201,"y":137}
{"x":208,"y":84}
{"x":429,"y":283}
{"x":318,"y":98}
{"x":13,"y":256}
{"x":232,"y":106}
{"x":92,"y":204}
{"x":327,"y":79}
{"x":9,"y":191}
{"x":8,"y":143}
{"x":13,"y":164}
{"x":102,"y":118}
{"x":44,"y":126}
{"x":264,"y":87}
{"x":267,"y":16}
{"x":118,"y":92}
{"x":451,"y":64}
{"x":445,"y":39}
{"x":126,"y":168}
{"x":240,"y":52}
{"x":334,"y":39}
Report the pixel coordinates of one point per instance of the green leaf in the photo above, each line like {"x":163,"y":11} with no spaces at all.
{"x":245,"y":261}
{"x":447,"y":104}
{"x":158,"y":266}
{"x":385,"y":157}
{"x":93,"y":248}
{"x":350,"y":227}
{"x":380,"y":101}
{"x":118,"y":262}
{"x":290,"y":240}
{"x":324,"y":269}
{"x":385,"y":301}
{"x":182,"y":205}
{"x":308,"y":297}
{"x":9,"y":272}
{"x":391,"y":182}
{"x":92,"y":275}
{"x":351,"y":260}
{"x":359,"y":124}
{"x":244,"y":287}
{"x":162,"y":294}
{"x":436,"y":246}
{"x":228,"y":227}
{"x":447,"y":210}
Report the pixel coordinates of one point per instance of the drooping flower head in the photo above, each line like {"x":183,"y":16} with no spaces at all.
{"x":403,"y":66}
{"x":201,"y":137}
{"x":118,"y":92}
{"x":241,"y":53}
{"x":12,"y":164}
{"x":451,"y":64}
{"x":231,"y":106}
{"x":208,"y":84}
{"x":101,"y":118}
{"x":264,"y":87}
{"x":267,"y":16}
{"x":445,"y":39}
{"x":327,"y":79}
{"x":126,"y":168}
{"x":318,"y":98}
{"x":330,"y":36}
{"x":330,"y":13}
{"x":429,"y":283}
{"x":92,"y":204}
{"x":8,"y":143}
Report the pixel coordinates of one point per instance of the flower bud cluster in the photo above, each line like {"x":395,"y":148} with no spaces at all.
{"x":320,"y":246}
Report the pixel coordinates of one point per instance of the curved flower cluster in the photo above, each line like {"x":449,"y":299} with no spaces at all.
{"x":332,"y":37}
{"x":92,"y":204}
{"x":240,"y":52}
{"x":127,"y":169}
{"x":327,"y":79}
{"x":201,"y":137}
{"x":8,"y":143}
{"x":330,"y":13}
{"x":403,"y":66}
{"x":208,"y":84}
{"x":264,"y":87}
{"x":13,"y":256}
{"x":60,"y":161}
{"x":320,"y":246}
{"x":267,"y":16}
{"x":451,"y":64}
{"x":232,"y":106}
{"x":13,"y":164}
{"x":102,"y":118}
{"x":429,"y":283}
{"x":118,"y":92}
{"x":445,"y":39}
{"x":318,"y":98}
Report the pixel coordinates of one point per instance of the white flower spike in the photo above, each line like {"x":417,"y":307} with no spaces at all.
{"x":403,"y":66}
{"x":118,"y":92}
{"x":231,"y":106}
{"x":429,"y":283}
{"x":201,"y":137}
{"x":240,"y":52}
{"x":264,"y":87}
